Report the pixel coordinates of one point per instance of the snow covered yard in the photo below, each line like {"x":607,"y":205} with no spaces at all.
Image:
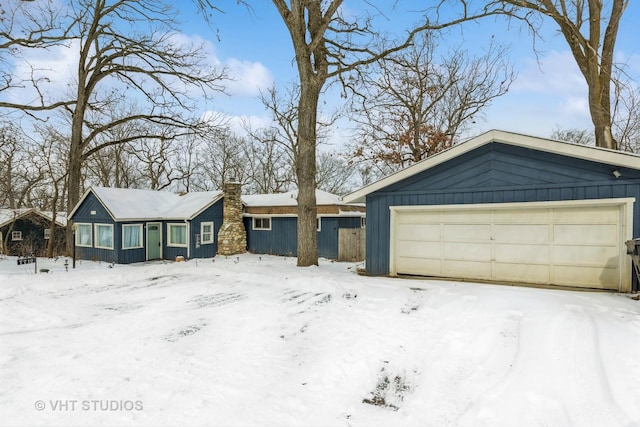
{"x":257,"y":341}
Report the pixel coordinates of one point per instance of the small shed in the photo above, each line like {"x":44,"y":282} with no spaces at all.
{"x":28,"y":231}
{"x":505,"y":207}
{"x":271,"y":222}
{"x":130,"y":225}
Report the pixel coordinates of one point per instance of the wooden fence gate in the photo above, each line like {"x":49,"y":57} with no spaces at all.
{"x":351,"y":244}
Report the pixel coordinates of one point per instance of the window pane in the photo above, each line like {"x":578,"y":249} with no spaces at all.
{"x":206,"y":231}
{"x":178,"y":234}
{"x":131,"y":236}
{"x":83,"y":236}
{"x":104,"y":236}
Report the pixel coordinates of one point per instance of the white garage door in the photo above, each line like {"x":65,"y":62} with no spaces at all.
{"x":577,"y":244}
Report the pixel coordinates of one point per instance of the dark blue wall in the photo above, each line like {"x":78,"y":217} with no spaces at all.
{"x":102,"y":216}
{"x":33,"y":242}
{"x":495,"y":173}
{"x":282,"y":238}
{"x":126,"y":256}
{"x":212,"y":213}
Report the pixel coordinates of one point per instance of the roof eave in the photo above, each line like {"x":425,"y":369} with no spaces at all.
{"x":613,"y":157}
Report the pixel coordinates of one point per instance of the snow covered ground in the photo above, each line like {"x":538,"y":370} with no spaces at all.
{"x":257,"y":341}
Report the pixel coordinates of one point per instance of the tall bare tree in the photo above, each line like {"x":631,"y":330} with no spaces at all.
{"x":329,"y":44}
{"x":590,"y":29}
{"x":125,"y":48}
{"x":416,"y":103}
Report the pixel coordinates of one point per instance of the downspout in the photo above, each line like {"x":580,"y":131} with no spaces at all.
{"x":186,"y":221}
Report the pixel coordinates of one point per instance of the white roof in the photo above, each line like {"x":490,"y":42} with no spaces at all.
{"x":8,"y":215}
{"x":290,"y":199}
{"x":596,"y":154}
{"x":131,"y":204}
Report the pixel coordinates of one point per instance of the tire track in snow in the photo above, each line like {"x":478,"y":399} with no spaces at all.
{"x":560,"y":381}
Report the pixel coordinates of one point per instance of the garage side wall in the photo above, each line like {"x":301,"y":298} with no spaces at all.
{"x":495,"y":173}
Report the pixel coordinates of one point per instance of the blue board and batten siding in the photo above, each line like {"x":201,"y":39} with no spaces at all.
{"x":282,"y":238}
{"x":126,"y":256}
{"x":495,"y":173}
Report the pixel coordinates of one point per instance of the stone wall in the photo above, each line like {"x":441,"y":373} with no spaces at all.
{"x":232,"y":237}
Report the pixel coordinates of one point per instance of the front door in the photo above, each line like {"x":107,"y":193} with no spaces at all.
{"x":154,"y":240}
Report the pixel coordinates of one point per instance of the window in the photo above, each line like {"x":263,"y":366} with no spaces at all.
{"x":363,"y":222}
{"x":177,"y":235}
{"x":16,"y":235}
{"x":318,"y":222}
{"x":83,"y":235}
{"x":47,"y":233}
{"x":104,"y":236}
{"x":206,"y":232}
{"x":131,"y":236}
{"x":262,"y":223}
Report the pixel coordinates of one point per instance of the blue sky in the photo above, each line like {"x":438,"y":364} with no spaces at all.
{"x":254,"y":44}
{"x":549,"y":90}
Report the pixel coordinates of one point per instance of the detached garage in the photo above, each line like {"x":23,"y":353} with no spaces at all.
{"x":511,"y":208}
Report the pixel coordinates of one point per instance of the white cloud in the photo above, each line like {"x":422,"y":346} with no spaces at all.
{"x":555,"y":73}
{"x":249,"y":78}
{"x":52,"y":68}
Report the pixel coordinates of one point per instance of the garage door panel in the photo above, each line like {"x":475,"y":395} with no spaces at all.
{"x":514,"y":216}
{"x":467,"y":251}
{"x":420,"y":217}
{"x":530,"y":254}
{"x":415,"y":249}
{"x":597,"y":256}
{"x":466,"y":232}
{"x":532,"y":233}
{"x":470,"y":269}
{"x":421,"y":266}
{"x":579,"y":234}
{"x":418,"y":232}
{"x":462,"y":216}
{"x":592,"y":215}
{"x":592,"y":277}
{"x":516,"y":271}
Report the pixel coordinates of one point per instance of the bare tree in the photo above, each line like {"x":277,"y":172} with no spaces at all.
{"x":125,"y":47}
{"x":334,"y":173}
{"x":576,"y":136}
{"x":416,"y":104}
{"x":222,"y":159}
{"x":269,"y":165}
{"x":590,"y":29}
{"x":328,"y":45}
{"x":19,"y":169}
{"x":626,"y":112}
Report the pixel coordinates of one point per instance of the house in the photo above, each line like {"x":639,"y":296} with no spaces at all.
{"x":129,"y":225}
{"x":505,"y":207}
{"x":28,"y":231}
{"x":271,"y":222}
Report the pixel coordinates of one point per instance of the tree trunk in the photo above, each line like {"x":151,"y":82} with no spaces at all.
{"x":306,"y":173}
{"x":74,"y":177}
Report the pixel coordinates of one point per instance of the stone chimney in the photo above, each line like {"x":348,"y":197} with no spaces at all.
{"x":232,"y":237}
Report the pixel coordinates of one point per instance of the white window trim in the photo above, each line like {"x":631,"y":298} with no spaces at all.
{"x":209,"y":241}
{"x":78,"y":242}
{"x":140,"y":241}
{"x":96,"y":234}
{"x":186,"y":235}
{"x":16,"y":236}
{"x":47,"y":233}
{"x":253,"y":223}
